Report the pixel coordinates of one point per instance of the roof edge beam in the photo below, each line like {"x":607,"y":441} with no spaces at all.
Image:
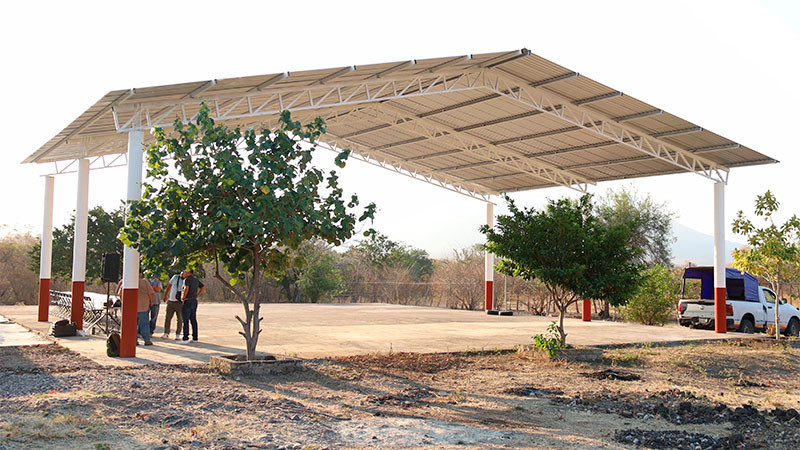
{"x":393,"y":69}
{"x":639,"y":115}
{"x":555,"y":79}
{"x":272,"y":80}
{"x":597,"y":98}
{"x":679,"y":132}
{"x":498,"y":121}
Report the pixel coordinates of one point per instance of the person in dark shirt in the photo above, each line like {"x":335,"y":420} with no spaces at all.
{"x":192,"y":288}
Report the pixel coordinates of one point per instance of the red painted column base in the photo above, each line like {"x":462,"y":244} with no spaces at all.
{"x":586,"y":310}
{"x":44,"y":299}
{"x":489,"y":295}
{"x":130,"y":305}
{"x":76,"y":312}
{"x":720,"y":311}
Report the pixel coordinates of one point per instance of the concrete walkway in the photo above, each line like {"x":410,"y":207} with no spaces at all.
{"x":13,"y":335}
{"x":317,"y":330}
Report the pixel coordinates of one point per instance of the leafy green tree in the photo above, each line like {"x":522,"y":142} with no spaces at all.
{"x":313,"y":274}
{"x":653,"y":223}
{"x":774,"y":252}
{"x":569,"y":250}
{"x":384,"y":253}
{"x":655,"y":300}
{"x":102,"y":231}
{"x":17,"y":283}
{"x":241,"y":199}
{"x":320,"y":276}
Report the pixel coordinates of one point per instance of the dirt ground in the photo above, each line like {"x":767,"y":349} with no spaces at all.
{"x":721,"y":395}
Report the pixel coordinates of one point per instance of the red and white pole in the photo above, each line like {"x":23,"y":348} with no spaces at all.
{"x":46,"y":253}
{"x":79,"y":244}
{"x":586,"y":310}
{"x":489,"y":263}
{"x":130,"y":261}
{"x":720,"y":296}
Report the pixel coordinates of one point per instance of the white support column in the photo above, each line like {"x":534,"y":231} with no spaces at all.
{"x":720,"y":295}
{"x":46,"y":254}
{"x":130,"y":261}
{"x":79,"y":243}
{"x":489,"y":263}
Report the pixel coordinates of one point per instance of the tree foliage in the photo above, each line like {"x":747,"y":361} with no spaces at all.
{"x":102,"y":231}
{"x":655,"y":300}
{"x":17,"y":283}
{"x":568,"y":249}
{"x":652,"y":231}
{"x":243,"y":199}
{"x":774,"y":252}
{"x":384,"y":253}
{"x":314,"y":273}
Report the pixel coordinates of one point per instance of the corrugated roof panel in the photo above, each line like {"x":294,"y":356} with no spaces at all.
{"x":479,"y":113}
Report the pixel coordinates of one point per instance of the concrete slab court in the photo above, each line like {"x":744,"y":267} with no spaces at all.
{"x":13,"y":335}
{"x":319,"y":330}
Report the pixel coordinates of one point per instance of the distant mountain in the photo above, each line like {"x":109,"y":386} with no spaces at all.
{"x":696,"y":247}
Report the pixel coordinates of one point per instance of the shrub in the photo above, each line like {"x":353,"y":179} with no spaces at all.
{"x":654,"y":302}
{"x":551,"y":343}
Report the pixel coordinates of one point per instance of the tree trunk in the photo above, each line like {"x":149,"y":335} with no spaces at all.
{"x":606,"y":315}
{"x":561,"y":313}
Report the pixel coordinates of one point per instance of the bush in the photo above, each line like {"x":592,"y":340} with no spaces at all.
{"x":551,"y":343}
{"x":654,"y":303}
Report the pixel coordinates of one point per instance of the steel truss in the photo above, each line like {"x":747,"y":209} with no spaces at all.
{"x":257,"y":103}
{"x":430,"y":129}
{"x":97,"y":162}
{"x":539,"y":98}
{"x":368,"y":101}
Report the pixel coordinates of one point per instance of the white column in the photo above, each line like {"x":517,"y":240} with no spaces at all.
{"x":720,"y":295}
{"x":130,"y":262}
{"x":719,"y":235}
{"x":489,"y":264}
{"x":81,"y":223}
{"x":46,"y":255}
{"x":46,"y":251}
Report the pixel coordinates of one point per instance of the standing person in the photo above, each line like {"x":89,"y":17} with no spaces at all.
{"x":192,"y":288}
{"x":145,"y":300}
{"x":155,"y":283}
{"x":174,"y":305}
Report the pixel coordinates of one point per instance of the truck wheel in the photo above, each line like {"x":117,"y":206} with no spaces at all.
{"x":794,"y":327}
{"x":747,"y":326}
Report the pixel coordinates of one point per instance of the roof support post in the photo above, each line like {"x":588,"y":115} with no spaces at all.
{"x":720,"y":295}
{"x":130,"y":263}
{"x":46,"y":250}
{"x":79,"y":244}
{"x":489,"y":263}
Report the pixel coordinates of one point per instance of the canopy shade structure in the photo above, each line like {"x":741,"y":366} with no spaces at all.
{"x":477,"y":124}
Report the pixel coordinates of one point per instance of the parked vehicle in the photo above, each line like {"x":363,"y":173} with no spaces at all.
{"x":750,"y":307}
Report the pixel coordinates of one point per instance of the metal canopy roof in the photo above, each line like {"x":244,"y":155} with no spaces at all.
{"x":476,"y":124}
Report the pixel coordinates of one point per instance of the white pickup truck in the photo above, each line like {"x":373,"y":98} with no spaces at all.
{"x":750,"y":307}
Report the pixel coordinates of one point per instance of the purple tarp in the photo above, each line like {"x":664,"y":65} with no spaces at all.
{"x":740,"y":286}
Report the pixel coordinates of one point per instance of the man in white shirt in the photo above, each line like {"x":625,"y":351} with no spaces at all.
{"x":173,"y":298}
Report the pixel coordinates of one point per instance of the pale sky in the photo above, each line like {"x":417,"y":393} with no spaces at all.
{"x":729,"y":66}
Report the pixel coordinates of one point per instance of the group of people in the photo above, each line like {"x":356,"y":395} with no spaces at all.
{"x":180,"y":295}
